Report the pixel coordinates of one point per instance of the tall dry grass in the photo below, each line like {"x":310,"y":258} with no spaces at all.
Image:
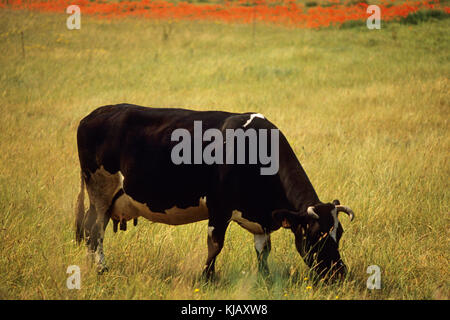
{"x":365,"y":111}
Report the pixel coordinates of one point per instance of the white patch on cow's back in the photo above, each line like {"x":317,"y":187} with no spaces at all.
{"x":253,"y":116}
{"x":251,"y":226}
{"x":336,"y":224}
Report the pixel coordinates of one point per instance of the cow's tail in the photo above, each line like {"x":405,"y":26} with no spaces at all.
{"x":79,"y":213}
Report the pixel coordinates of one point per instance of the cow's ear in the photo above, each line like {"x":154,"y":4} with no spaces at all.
{"x":285,"y":218}
{"x":336,"y":202}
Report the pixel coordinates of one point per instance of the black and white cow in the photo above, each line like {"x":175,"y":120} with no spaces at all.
{"x":127,"y":169}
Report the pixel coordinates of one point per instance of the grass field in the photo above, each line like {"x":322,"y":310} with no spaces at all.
{"x":366,"y":112}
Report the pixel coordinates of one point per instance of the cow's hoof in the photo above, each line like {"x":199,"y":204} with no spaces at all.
{"x":209,"y":276}
{"x":265,"y":278}
{"x":263,"y":271}
{"x":101,"y":269}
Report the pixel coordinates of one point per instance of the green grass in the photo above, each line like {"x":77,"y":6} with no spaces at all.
{"x":366,"y":112}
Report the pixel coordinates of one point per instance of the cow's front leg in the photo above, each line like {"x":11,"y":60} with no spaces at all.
{"x":216,"y":238}
{"x":262,"y":246}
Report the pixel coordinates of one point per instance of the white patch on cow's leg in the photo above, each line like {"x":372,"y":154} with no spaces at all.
{"x":100,"y":257}
{"x":95,"y":248}
{"x":336,"y":224}
{"x":253,"y":116}
{"x":261,"y":240}
{"x":121,"y":178}
{"x":251,"y":226}
{"x":210,"y":231}
{"x":262,"y":246}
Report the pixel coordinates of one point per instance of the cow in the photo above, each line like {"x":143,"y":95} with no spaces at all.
{"x":127,"y":168}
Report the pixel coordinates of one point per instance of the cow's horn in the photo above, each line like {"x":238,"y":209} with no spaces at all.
{"x":311,"y":212}
{"x":347,"y":210}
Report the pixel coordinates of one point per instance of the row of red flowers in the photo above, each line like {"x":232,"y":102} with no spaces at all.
{"x":286,"y":12}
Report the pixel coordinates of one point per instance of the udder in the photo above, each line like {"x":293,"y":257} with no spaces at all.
{"x":124,"y":210}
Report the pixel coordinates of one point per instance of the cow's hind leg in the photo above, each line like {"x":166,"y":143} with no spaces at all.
{"x":95,"y":245}
{"x":80,"y":214}
{"x":101,"y":189}
{"x":90,"y":218}
{"x":95,"y":227}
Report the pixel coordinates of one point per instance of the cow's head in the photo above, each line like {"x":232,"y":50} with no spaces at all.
{"x":317,"y":233}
